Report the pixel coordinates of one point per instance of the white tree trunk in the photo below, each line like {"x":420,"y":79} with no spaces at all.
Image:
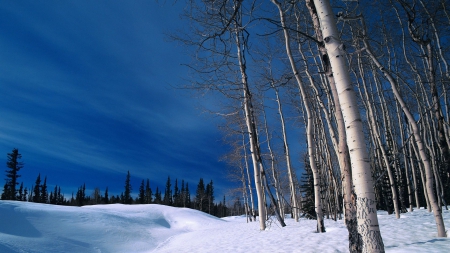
{"x":309,"y":127}
{"x":362,"y":177}
{"x":291,"y":173}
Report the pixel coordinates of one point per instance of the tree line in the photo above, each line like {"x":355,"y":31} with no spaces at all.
{"x":178,"y":196}
{"x":363,"y":86}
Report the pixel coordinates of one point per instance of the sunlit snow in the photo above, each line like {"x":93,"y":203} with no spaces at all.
{"x":32,"y":227}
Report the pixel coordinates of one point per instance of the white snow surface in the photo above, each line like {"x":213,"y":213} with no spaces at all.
{"x":32,"y":227}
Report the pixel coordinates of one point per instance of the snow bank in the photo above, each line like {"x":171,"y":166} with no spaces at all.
{"x":32,"y":227}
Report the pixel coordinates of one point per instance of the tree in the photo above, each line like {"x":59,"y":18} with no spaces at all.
{"x":158,"y":199}
{"x":368,"y":226}
{"x":106,"y":198}
{"x":176,"y":194}
{"x":210,"y":196}
{"x":44,"y":192}
{"x":188,"y":196}
{"x":142,"y":193}
{"x":148,"y":193}
{"x":127,"y":199}
{"x":14,"y":166}
{"x":36,"y":190}
{"x":200,"y":196}
{"x":168,"y":193}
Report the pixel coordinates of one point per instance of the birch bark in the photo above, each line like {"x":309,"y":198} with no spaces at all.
{"x":362,"y":178}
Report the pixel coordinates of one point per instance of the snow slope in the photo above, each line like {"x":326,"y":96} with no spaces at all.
{"x":32,"y":227}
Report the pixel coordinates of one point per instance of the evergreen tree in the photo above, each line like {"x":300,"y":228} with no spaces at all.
{"x":210,"y":196}
{"x":6,"y":192}
{"x":51,"y":201}
{"x":168,"y":193}
{"x":142,"y":193}
{"x":37,"y":190}
{"x":61,"y":199}
{"x":44,"y":193}
{"x":14,"y":166}
{"x":307,"y":187}
{"x":54,"y":196}
{"x":127,"y":199}
{"x":106,"y":199}
{"x":20,"y":196}
{"x":148,"y":193}
{"x":188,"y":196}
{"x":176,"y":194}
{"x":158,"y":199}
{"x":81,"y":195}
{"x":200,"y":197}
{"x":182,"y":195}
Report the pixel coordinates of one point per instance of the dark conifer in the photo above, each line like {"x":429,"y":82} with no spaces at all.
{"x":44,"y":193}
{"x":158,"y":199}
{"x":176,"y":194}
{"x":127,"y":199}
{"x":183,"y":194}
{"x":37,"y":190}
{"x":14,"y":166}
{"x":148,"y":193}
{"x":142,"y":193}
{"x":210,"y":196}
{"x":168,"y":193}
{"x":188,"y":196}
{"x":200,"y":196}
{"x":106,"y":199}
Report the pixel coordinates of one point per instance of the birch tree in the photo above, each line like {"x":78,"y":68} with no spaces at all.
{"x":368,"y":226}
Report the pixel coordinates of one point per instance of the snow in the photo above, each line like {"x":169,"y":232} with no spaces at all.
{"x":32,"y":227}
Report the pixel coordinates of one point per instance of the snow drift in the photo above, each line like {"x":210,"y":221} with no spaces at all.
{"x":32,"y":227}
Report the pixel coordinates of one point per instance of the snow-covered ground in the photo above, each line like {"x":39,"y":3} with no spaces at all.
{"x":32,"y":227}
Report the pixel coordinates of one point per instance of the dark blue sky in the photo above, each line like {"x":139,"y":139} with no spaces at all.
{"x":86,"y":94}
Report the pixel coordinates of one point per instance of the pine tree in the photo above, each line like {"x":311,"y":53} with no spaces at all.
{"x":127,"y":199}
{"x":81,"y":195}
{"x":148,"y":193}
{"x":20,"y":196}
{"x":25,"y":194}
{"x":168,"y":193}
{"x":14,"y":165}
{"x":158,"y":199}
{"x":307,"y":187}
{"x":176,"y":194}
{"x":44,"y":193}
{"x":210,"y":196}
{"x":188,"y":196}
{"x":37,"y":190}
{"x":183,"y":194}
{"x":200,"y":196}
{"x":106,"y":199}
{"x":6,"y":192}
{"x":142,"y":193}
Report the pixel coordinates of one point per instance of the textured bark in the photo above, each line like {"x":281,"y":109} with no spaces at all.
{"x":362,"y":178}
{"x":343,"y":154}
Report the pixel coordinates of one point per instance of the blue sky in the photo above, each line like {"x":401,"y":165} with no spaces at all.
{"x":86,"y":94}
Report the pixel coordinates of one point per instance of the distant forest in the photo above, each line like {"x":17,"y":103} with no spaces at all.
{"x":178,"y":196}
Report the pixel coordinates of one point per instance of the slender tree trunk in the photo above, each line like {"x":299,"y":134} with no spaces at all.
{"x":291,"y":174}
{"x":343,"y":154}
{"x":251,"y":128}
{"x":252,"y":208}
{"x":419,"y":142}
{"x":309,"y":127}
{"x":362,"y":177}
